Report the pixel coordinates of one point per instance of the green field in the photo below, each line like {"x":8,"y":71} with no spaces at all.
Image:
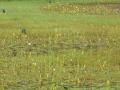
{"x":66,"y":45}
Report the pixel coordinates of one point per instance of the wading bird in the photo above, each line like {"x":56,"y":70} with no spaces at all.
{"x":4,"y":11}
{"x":24,"y":31}
{"x":50,"y":1}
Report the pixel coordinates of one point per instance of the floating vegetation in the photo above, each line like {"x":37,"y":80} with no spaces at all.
{"x":84,"y":8}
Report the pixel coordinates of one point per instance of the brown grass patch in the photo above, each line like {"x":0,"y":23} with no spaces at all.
{"x":83,"y":8}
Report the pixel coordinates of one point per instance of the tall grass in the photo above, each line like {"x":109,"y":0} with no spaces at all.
{"x":59,"y":51}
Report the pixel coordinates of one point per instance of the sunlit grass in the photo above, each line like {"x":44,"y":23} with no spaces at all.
{"x":83,"y":8}
{"x":59,"y":51}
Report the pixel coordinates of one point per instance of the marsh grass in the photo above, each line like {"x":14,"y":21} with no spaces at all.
{"x":60,"y":51}
{"x":59,"y":61}
{"x":83,"y":8}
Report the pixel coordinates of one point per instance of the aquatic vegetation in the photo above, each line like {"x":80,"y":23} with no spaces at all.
{"x":61,"y":46}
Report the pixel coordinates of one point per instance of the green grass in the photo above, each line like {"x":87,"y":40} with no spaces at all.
{"x":62,"y":50}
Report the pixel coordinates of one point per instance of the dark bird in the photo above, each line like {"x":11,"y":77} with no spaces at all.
{"x":50,"y":1}
{"x":4,"y":11}
{"x":24,"y":31}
